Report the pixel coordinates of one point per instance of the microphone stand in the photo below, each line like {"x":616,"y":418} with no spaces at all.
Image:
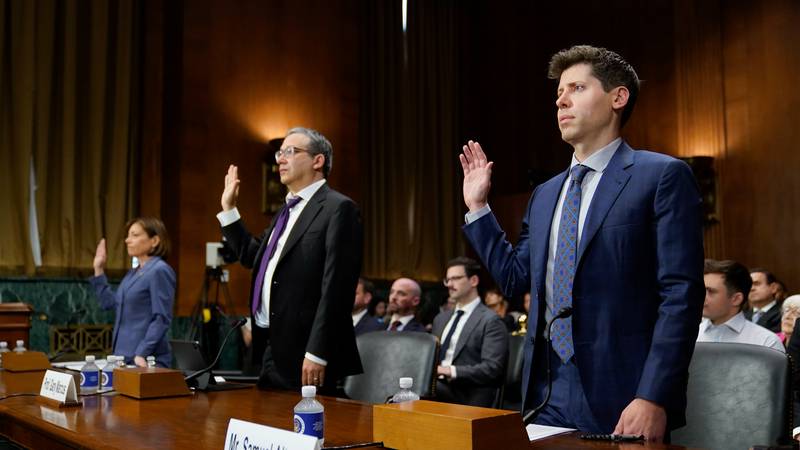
{"x":202,"y":378}
{"x":562,"y":313}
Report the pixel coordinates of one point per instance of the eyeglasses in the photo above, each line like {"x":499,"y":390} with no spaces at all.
{"x":447,"y":281}
{"x":288,"y":152}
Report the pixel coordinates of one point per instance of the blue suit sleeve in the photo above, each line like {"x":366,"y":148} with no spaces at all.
{"x":105,"y":295}
{"x":679,"y":258}
{"x":509,"y":265}
{"x":162,"y":297}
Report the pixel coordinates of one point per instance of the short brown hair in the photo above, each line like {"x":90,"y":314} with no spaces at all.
{"x":153,"y":227}
{"x":737,"y":277}
{"x":607,"y":66}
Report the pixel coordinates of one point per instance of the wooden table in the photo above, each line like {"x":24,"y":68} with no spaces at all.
{"x":197,"y":422}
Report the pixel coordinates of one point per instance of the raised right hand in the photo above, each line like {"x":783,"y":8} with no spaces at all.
{"x":477,"y":176}
{"x":100,"y":258}
{"x":231,"y":191}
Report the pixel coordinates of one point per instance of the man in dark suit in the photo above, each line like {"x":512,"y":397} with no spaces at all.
{"x":305,"y":268}
{"x":403,"y":301}
{"x":362,"y":321}
{"x":763,"y":306}
{"x":474,"y":351}
{"x":617,"y":242}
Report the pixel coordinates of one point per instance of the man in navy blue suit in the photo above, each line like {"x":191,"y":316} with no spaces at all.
{"x":618,"y":239}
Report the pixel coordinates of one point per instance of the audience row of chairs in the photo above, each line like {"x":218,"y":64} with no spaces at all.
{"x":739,"y":395}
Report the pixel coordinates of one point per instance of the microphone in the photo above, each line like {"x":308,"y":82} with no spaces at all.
{"x":562,"y":313}
{"x":203,"y":376}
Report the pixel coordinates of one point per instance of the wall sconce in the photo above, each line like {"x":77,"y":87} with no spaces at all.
{"x":703,"y":170}
{"x":273,"y":192}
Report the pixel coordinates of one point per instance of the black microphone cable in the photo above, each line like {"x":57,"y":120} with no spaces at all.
{"x":562,"y":313}
{"x":194,"y":375}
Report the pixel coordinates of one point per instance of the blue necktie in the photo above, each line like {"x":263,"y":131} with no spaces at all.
{"x":564,"y":267}
{"x":446,"y":343}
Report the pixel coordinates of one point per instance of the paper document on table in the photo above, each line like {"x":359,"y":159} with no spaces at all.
{"x":542,"y":431}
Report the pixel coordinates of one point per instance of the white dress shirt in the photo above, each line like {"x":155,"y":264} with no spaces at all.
{"x":228,"y":217}
{"x":451,"y":349}
{"x":763,"y":310}
{"x":357,"y":316}
{"x":738,"y":330}
{"x":403,"y":321}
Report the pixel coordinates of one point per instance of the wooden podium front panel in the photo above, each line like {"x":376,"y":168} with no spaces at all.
{"x":15,"y":323}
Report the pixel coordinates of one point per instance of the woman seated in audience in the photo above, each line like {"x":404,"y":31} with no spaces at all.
{"x":790,"y":311}
{"x":143,"y":301}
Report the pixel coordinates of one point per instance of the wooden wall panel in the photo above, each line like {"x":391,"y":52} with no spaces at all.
{"x":761,"y":192}
{"x":249,"y":71}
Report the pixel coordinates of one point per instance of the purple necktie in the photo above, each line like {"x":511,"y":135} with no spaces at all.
{"x":280,"y":226}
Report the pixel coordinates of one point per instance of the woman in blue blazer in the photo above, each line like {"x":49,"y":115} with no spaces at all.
{"x":143,"y":301}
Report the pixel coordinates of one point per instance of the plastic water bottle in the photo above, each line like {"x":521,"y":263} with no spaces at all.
{"x":3,"y":349}
{"x":309,"y":415}
{"x":121,"y":362}
{"x":405,"y":394}
{"x":151,"y":361}
{"x":20,"y":346}
{"x":107,"y":375}
{"x":90,"y":376}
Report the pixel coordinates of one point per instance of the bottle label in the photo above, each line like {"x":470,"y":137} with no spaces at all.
{"x":106,"y":379}
{"x":89,"y":379}
{"x":311,"y":424}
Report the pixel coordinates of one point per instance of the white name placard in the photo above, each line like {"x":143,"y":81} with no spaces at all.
{"x":243,"y":435}
{"x":59,"y":386}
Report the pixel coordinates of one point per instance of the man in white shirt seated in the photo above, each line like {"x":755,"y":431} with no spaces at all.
{"x":474,"y":340}
{"x":727,"y":285}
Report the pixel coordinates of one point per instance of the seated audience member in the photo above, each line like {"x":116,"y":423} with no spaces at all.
{"x":143,"y":302}
{"x":790,"y":311}
{"x":449,"y":305}
{"x":403,"y":301}
{"x":497,"y":303}
{"x":363,"y":322}
{"x":378,"y":309}
{"x":764,"y":308}
{"x":727,"y":282}
{"x":474,"y":351}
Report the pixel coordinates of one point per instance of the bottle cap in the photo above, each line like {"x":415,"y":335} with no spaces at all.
{"x":151,"y":358}
{"x":3,"y":344}
{"x":20,"y":342}
{"x":89,"y":358}
{"x":406,"y":382}
{"x":309,"y":391}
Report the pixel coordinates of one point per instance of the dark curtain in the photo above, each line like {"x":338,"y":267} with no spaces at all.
{"x":413,"y":207}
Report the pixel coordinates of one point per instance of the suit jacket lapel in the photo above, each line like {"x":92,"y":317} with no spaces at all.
{"x":139,"y":274}
{"x":614,"y":179}
{"x":310,"y":211}
{"x":546,"y":201}
{"x":437,"y":331}
{"x":469,"y":327}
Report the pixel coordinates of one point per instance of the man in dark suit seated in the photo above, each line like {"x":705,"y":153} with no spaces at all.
{"x":403,"y":301}
{"x":764,"y":308}
{"x":474,"y":351}
{"x":362,"y":321}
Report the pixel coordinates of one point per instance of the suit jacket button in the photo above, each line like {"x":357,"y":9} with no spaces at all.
{"x":274,"y":283}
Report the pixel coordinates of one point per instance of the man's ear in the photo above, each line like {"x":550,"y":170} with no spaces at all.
{"x":737,"y":299}
{"x":620,"y":97}
{"x":319,"y":161}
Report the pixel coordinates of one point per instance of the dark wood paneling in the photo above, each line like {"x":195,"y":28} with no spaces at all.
{"x":247,"y":71}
